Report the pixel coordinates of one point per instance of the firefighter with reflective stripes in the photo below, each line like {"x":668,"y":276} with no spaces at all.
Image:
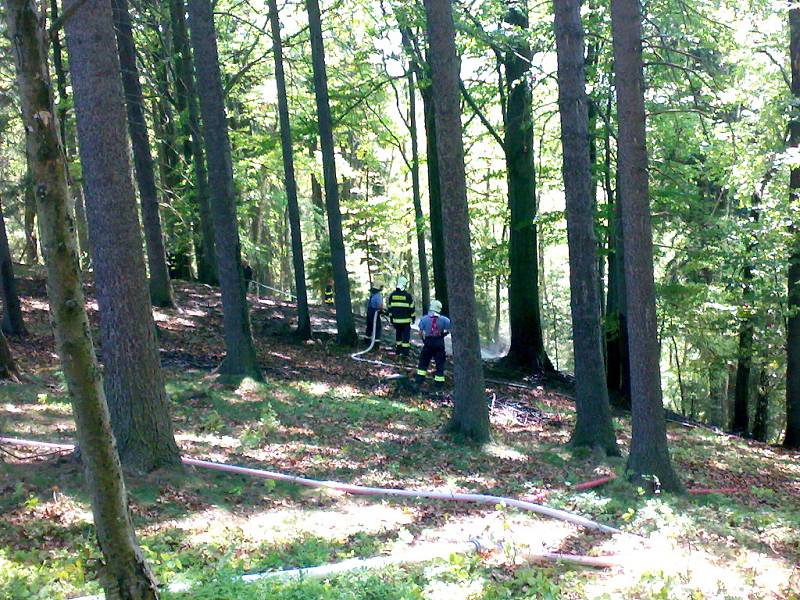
{"x":400,"y":305}
{"x":433,"y":328}
{"x":328,"y":296}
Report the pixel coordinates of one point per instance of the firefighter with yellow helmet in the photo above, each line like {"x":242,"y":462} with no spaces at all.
{"x":400,"y":305}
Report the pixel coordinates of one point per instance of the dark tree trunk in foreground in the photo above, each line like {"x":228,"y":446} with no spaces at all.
{"x":13,"y":323}
{"x":527,"y":340}
{"x":125,"y":575}
{"x":8,"y":368}
{"x":419,"y":217}
{"x":470,"y":414}
{"x":185,"y":83}
{"x":134,"y":386}
{"x":593,"y":427}
{"x":240,"y":356}
{"x":303,"y":318}
{"x":160,"y":286}
{"x":345,"y":326}
{"x":649,"y":454}
{"x":792,"y":438}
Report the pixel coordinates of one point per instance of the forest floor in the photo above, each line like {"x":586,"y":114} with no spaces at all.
{"x":321,"y":415}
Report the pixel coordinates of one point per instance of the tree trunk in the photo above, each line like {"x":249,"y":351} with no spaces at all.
{"x":527,"y":341}
{"x":741,"y":411}
{"x":470,"y":415}
{"x":8,"y":368}
{"x":303,"y":318}
{"x":13,"y":323}
{"x":30,"y":254}
{"x":593,"y":427}
{"x":185,"y":83}
{"x":67,"y":139}
{"x":178,"y":235}
{"x":126,"y":575}
{"x":240,"y":356}
{"x":434,"y":197}
{"x":419,"y":217}
{"x":345,"y":326}
{"x":649,"y":455}
{"x":761,"y":419}
{"x":792,"y":437}
{"x":160,"y":286}
{"x":134,"y":386}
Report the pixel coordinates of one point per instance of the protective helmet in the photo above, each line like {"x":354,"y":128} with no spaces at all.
{"x":436,"y":307}
{"x":402,"y":282}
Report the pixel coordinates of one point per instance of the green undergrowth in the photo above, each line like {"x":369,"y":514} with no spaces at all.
{"x":208,"y":528}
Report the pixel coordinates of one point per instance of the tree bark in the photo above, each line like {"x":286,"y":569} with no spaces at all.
{"x":30,"y":254}
{"x":761,"y":418}
{"x":419,"y":217}
{"x":240,"y":356}
{"x":13,"y":323}
{"x":471,"y":415}
{"x":434,"y":197}
{"x":303,"y":318}
{"x":649,"y":455}
{"x":593,"y":427}
{"x":160,"y":285}
{"x":527,"y":340}
{"x":792,"y":437}
{"x":126,"y":575}
{"x":67,"y":139}
{"x":185,"y":83}
{"x":8,"y":368}
{"x":345,"y":326}
{"x":134,"y":386}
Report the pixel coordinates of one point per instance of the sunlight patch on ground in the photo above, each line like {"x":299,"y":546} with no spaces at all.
{"x":348,"y":517}
{"x":504,"y":452}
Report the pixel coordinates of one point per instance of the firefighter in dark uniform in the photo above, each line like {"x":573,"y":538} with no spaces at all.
{"x":400,"y":305}
{"x":433,"y":328}
{"x":329,"y":296}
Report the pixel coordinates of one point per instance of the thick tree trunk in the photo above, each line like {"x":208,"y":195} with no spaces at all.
{"x":240,"y":356}
{"x":419,"y":217}
{"x":527,"y":340}
{"x":471,"y":414}
{"x":593,"y":427}
{"x":13,"y":323}
{"x":125,"y":574}
{"x":303,"y":318}
{"x":185,"y":84}
{"x":345,"y":326}
{"x":649,"y":456}
{"x":134,"y":386}
{"x":792,"y":437}
{"x":160,"y":286}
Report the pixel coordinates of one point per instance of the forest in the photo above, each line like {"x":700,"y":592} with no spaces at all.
{"x":399,"y":299}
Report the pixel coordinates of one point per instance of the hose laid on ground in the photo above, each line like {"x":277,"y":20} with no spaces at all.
{"x":360,"y":490}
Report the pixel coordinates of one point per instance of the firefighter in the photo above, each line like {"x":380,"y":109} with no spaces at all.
{"x":433,"y":328}
{"x":375,"y":306}
{"x":400,"y":305}
{"x":328,"y":296}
